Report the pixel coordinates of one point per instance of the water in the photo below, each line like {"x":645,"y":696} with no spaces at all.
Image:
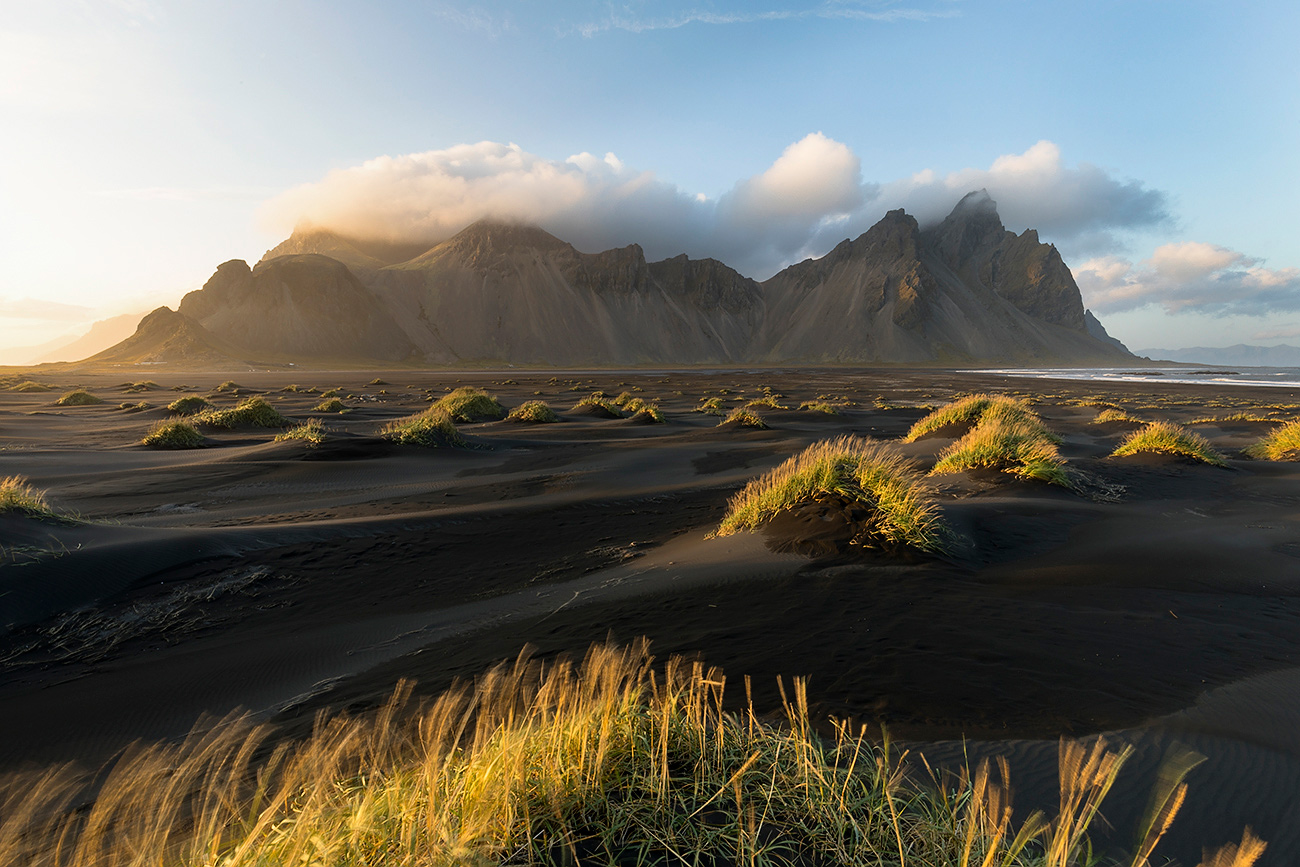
{"x":1278,"y":377}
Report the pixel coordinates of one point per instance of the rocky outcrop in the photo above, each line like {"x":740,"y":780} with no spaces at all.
{"x":964,"y":291}
{"x":165,"y":336}
{"x":1097,"y":330}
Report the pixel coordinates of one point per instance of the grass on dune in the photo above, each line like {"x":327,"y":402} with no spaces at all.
{"x":1232,"y":417}
{"x":31,"y":386}
{"x":533,"y":412}
{"x":18,"y":497}
{"x":608,"y":761}
{"x":1116,"y":414}
{"x":858,"y":470}
{"x":1162,"y":437}
{"x":972,"y":410}
{"x":1283,"y":444}
{"x":432,"y":428}
{"x":710,"y":406}
{"x":1015,"y":447}
{"x":311,"y":432}
{"x":190,"y":404}
{"x":600,"y":403}
{"x":767,"y":401}
{"x":80,"y":397}
{"x":330,"y":404}
{"x":249,"y":412}
{"x":173,"y":435}
{"x":643,"y":410}
{"x":742,"y":417}
{"x":469,"y":404}
{"x":229,"y":385}
{"x":819,"y":406}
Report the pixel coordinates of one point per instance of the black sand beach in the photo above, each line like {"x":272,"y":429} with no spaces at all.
{"x":1159,"y":603}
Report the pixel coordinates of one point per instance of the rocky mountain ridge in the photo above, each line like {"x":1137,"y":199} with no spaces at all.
{"x":966,"y":291}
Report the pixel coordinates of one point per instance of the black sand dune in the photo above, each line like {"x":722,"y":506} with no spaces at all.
{"x":1159,"y":603}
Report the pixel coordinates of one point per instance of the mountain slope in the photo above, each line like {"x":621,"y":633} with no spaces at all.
{"x":165,"y":336}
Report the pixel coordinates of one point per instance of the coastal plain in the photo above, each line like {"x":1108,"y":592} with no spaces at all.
{"x":1156,"y":601}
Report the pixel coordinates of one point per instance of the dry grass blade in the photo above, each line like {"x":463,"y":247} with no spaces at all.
{"x":1162,"y":437}
{"x":1283,"y":444}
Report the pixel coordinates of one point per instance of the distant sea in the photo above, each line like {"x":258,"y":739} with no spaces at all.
{"x":1280,"y":377}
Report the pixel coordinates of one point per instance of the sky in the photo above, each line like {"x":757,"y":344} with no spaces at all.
{"x":1154,"y":143}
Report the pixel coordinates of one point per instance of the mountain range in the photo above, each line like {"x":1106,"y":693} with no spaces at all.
{"x":964,"y":291}
{"x":1238,"y":355}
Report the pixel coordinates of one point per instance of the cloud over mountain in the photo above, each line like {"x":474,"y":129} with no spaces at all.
{"x":811,"y":197}
{"x":1189,"y":276}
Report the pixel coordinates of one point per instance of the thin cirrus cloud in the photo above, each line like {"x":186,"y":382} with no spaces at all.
{"x":1189,"y":276}
{"x":810,"y":198}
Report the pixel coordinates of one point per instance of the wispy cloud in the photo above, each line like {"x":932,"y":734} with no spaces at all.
{"x":630,"y":20}
{"x":37,"y":308}
{"x":473,"y":18}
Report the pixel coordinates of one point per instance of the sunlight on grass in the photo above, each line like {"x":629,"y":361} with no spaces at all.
{"x":609,"y":761}
{"x":970,"y":411}
{"x":311,"y":432}
{"x":80,"y":397}
{"x":432,"y":428}
{"x":20,"y":498}
{"x":330,"y":404}
{"x":1162,"y":437}
{"x":741,"y":417}
{"x":1283,"y":444}
{"x":857,"y":470}
{"x":249,"y":412}
{"x":190,"y":404}
{"x":173,"y":435}
{"x":533,"y":412}
{"x":469,"y":404}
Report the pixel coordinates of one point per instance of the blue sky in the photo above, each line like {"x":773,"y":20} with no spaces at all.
{"x":1153,"y":142}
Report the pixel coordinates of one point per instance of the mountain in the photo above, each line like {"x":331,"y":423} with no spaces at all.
{"x":965,"y":291}
{"x":165,"y":336}
{"x":1239,"y":355}
{"x":102,"y":334}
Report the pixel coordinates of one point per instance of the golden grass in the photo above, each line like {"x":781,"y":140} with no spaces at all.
{"x":330,"y":404}
{"x":190,"y":404}
{"x":80,"y":397}
{"x":250,"y":412}
{"x":469,"y":404}
{"x":30,"y":386}
{"x":710,"y":406}
{"x":432,"y":428}
{"x":1231,"y":417}
{"x":1162,"y":437}
{"x":857,"y":470}
{"x":1282,"y":444}
{"x":596,"y":400}
{"x":768,"y":401}
{"x":644,"y":410}
{"x":742,"y":417}
{"x":229,"y":385}
{"x":970,"y":411}
{"x":311,"y":432}
{"x":1005,"y":436}
{"x":18,"y":497}
{"x":533,"y":412}
{"x":173,"y":435}
{"x":818,"y":406}
{"x":1116,"y":414}
{"x":609,"y":761}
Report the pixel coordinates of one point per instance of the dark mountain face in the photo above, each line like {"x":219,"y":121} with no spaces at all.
{"x":966,"y":290}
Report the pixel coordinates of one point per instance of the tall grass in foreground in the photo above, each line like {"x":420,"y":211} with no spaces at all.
{"x":857,"y":470}
{"x":970,"y":411}
{"x":18,"y":497}
{"x":1162,"y":437}
{"x":1003,"y":435}
{"x":605,"y":762}
{"x":1283,"y":444}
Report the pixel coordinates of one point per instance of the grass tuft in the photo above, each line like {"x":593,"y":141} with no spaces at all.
{"x":80,"y":397}
{"x":173,"y":434}
{"x":858,"y":470}
{"x":330,"y":404}
{"x":607,"y":761}
{"x":533,"y":412}
{"x":17,"y":497}
{"x":818,"y":406}
{"x":190,"y":404}
{"x":742,"y":417}
{"x":432,"y":428}
{"x":469,"y":404}
{"x":311,"y":432}
{"x":644,"y":411}
{"x":1116,"y":414}
{"x":768,"y":401}
{"x":600,"y":403}
{"x":1283,"y":444}
{"x":1162,"y":437}
{"x":1019,"y":448}
{"x":710,"y":406}
{"x":31,"y":386}
{"x":249,"y":412}
{"x":229,"y":385}
{"x":970,"y":411}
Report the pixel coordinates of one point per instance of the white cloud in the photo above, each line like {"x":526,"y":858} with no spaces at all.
{"x":810,"y":198}
{"x":1189,"y":276}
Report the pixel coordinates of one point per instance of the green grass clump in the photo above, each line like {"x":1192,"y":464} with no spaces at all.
{"x":31,"y":386}
{"x":147,"y":385}
{"x":533,"y":412}
{"x":469,"y":404}
{"x":229,"y":385}
{"x":742,"y":417}
{"x":970,"y":411}
{"x":432,"y":428}
{"x":173,"y":435}
{"x":135,"y":407}
{"x":1114,"y":414}
{"x":767,"y":400}
{"x":331,"y":404}
{"x":299,"y":389}
{"x":710,"y":406}
{"x":80,"y":397}
{"x":1232,"y":417}
{"x":190,"y":404}
{"x":331,"y":392}
{"x":1162,"y":437}
{"x":311,"y":432}
{"x":818,"y":406}
{"x":623,"y":399}
{"x":642,"y":410}
{"x":608,"y":761}
{"x":377,"y":381}
{"x":1283,"y":444}
{"x":249,"y":412}
{"x":1020,"y":448}
{"x":858,"y":470}
{"x":17,"y":497}
{"x":600,"y":403}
